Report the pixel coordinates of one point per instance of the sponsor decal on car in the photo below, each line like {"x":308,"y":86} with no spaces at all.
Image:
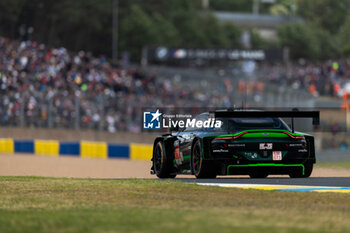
{"x":252,"y":155}
{"x":220,"y":150}
{"x":236,"y":145}
{"x":302,"y":150}
{"x":295,"y":145}
{"x":265,"y":146}
{"x":276,"y":155}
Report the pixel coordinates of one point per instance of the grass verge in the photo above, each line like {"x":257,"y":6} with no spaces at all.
{"x":334,"y":165}
{"x":31,"y":204}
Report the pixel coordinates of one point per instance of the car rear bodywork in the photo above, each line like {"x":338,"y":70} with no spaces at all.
{"x":275,"y":150}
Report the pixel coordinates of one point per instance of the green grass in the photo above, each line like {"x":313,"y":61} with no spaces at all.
{"x":343,"y":165}
{"x":29,"y":204}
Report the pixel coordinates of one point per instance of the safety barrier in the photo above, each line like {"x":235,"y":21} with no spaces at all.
{"x":84,"y":149}
{"x":43,"y":147}
{"x":140,"y":151}
{"x":6,"y":145}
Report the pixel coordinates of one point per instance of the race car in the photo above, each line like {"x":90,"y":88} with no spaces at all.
{"x":254,"y":143}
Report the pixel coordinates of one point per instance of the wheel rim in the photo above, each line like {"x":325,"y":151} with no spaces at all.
{"x":158,"y":159}
{"x":196,"y":159}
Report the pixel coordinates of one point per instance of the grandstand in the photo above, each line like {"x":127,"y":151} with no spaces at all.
{"x":56,"y":88}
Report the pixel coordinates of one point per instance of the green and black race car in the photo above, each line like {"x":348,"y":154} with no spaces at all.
{"x":254,"y":143}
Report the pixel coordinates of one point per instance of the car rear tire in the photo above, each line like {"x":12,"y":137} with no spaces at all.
{"x":200,"y":167}
{"x":308,"y":167}
{"x":162,"y":164}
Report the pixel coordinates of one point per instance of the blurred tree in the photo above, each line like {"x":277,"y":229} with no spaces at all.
{"x":257,"y":41}
{"x":84,"y":24}
{"x":344,"y":36}
{"x":87,"y":24}
{"x":300,"y":39}
{"x":214,"y":32}
{"x":238,"y":6}
{"x":9,"y":17}
{"x":233,"y":34}
{"x":138,"y":30}
{"x":188,"y":23}
{"x":167,"y":34}
{"x":329,"y":46}
{"x":283,"y":7}
{"x":328,"y":14}
{"x":279,"y":9}
{"x":229,"y":5}
{"x":308,"y":41}
{"x":74,"y":24}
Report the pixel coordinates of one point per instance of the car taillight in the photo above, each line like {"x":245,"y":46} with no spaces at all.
{"x":230,"y":137}
{"x":295,"y":137}
{"x":223,"y":138}
{"x":239,"y":135}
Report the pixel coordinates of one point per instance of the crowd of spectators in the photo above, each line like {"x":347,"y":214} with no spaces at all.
{"x":49,"y":87}
{"x":53,"y":87}
{"x":329,"y":78}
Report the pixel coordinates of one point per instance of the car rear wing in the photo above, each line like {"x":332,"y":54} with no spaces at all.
{"x":315,"y":115}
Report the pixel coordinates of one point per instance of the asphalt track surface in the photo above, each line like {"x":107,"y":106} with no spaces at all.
{"x":312,"y":181}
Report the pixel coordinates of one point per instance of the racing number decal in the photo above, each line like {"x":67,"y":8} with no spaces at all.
{"x":177,"y":152}
{"x":276,"y":155}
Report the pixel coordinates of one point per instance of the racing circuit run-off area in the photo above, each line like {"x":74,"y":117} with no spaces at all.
{"x":94,"y":205}
{"x":173,"y":116}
